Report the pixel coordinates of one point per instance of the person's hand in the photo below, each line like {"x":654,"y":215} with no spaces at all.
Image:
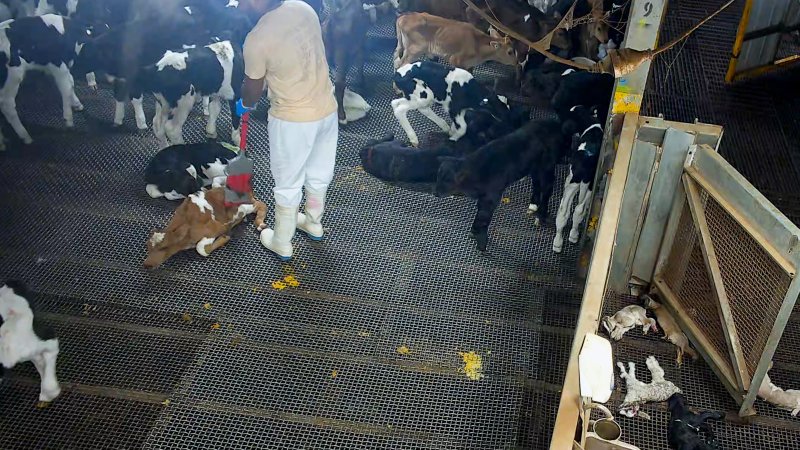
{"x":241,"y":109}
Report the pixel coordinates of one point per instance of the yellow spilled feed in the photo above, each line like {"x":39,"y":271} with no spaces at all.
{"x":291,"y":280}
{"x":472,"y":365}
{"x":403,"y":350}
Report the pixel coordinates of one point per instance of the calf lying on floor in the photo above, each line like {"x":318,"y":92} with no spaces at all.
{"x":672,"y":332}
{"x":533,"y":150}
{"x":626,"y":319}
{"x":639,"y":393}
{"x":23,"y":338}
{"x":788,"y":399}
{"x":180,"y":170}
{"x":201,"y":222}
{"x":685,"y":426}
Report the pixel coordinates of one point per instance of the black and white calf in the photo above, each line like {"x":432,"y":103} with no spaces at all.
{"x":580,"y":180}
{"x":180,"y":170}
{"x":119,"y":55}
{"x":424,"y":83}
{"x":23,"y":338}
{"x":533,"y":150}
{"x":179,"y":78}
{"x":49,"y":43}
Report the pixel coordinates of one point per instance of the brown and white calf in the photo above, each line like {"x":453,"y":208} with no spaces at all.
{"x":458,"y":43}
{"x":202,"y":222}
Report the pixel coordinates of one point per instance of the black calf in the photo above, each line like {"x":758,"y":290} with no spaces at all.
{"x":393,"y":160}
{"x":685,"y":426}
{"x":533,"y":150}
{"x":584,"y":88}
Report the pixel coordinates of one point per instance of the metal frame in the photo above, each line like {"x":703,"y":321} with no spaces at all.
{"x":779,"y":238}
{"x":743,"y":36}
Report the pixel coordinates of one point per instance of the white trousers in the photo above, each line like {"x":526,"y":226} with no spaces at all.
{"x":301,"y":154}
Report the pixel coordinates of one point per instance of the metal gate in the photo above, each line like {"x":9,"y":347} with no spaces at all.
{"x":767,"y":38}
{"x":727,"y":269}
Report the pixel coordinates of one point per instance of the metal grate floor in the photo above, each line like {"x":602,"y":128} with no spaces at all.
{"x":144,"y":366}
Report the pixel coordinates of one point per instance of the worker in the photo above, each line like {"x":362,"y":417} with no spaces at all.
{"x":284,"y":52}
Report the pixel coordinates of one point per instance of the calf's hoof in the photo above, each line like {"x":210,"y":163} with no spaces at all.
{"x":49,"y":395}
{"x":26,"y":140}
{"x":210,"y":135}
{"x":77,"y":107}
{"x":573,"y":237}
{"x":69,"y":123}
{"x":537,"y":221}
{"x":557,"y":247}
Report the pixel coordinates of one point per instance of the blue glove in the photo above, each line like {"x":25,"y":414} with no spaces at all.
{"x":241,"y":109}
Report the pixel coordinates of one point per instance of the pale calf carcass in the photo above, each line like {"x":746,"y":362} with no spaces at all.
{"x":788,"y":400}
{"x":424,"y":83}
{"x":580,"y":180}
{"x":626,"y":319}
{"x":458,"y":43}
{"x":672,"y":332}
{"x":48,"y":43}
{"x":202,"y":222}
{"x":639,"y":393}
{"x":179,"y":78}
{"x":180,"y":170}
{"x":23,"y":338}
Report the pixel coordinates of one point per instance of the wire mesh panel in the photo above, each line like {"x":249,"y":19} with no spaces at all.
{"x":727,"y":270}
{"x":686,"y":276}
{"x":756,"y":285}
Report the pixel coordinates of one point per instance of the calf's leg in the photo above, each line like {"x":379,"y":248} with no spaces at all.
{"x":66,"y":86}
{"x":138,"y":111}
{"x":570,"y":189}
{"x":487,"y":203}
{"x":8,"y":103}
{"x":342,"y":65}
{"x":214,"y":108}
{"x":427,"y":112}
{"x":174,"y":126}
{"x":400,"y":107}
{"x":208,"y":245}
{"x":542,"y":193}
{"x":584,"y":197}
{"x":45,"y":364}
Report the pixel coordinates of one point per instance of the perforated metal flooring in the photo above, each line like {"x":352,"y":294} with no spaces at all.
{"x":143,"y":364}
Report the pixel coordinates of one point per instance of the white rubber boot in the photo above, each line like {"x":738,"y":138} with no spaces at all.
{"x":279,"y":241}
{"x":311,"y":222}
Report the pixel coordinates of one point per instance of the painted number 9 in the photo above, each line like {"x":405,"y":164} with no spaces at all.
{"x":648,"y":9}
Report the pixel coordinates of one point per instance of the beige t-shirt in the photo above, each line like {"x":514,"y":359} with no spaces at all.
{"x":286,"y":47}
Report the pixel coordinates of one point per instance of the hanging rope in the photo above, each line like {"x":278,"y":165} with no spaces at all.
{"x":619,"y":62}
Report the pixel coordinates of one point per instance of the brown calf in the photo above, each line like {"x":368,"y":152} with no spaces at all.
{"x":201,"y":222}
{"x":459,"y":43}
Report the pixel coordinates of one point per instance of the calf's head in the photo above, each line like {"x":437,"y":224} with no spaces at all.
{"x":449,"y":178}
{"x":13,"y":301}
{"x":163,"y":244}
{"x":501,"y":49}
